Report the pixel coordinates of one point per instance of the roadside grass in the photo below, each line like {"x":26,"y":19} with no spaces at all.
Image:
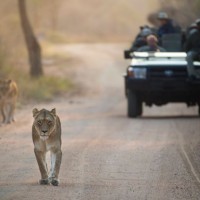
{"x":45,"y":88}
{"x":56,"y":37}
{"x":42,"y":89}
{"x":49,"y":52}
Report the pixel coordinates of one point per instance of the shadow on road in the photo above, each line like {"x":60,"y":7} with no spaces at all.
{"x":169,"y":117}
{"x":157,"y":117}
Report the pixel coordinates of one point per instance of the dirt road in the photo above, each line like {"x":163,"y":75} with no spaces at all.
{"x":106,"y":156}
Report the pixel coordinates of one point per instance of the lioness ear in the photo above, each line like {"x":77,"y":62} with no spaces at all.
{"x":53,"y":111}
{"x":35,"y":112}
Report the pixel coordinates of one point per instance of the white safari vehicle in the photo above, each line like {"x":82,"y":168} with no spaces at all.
{"x":159,"y":78}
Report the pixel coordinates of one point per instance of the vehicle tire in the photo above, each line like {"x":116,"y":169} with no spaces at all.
{"x":199,"y":110}
{"x":140,"y":110}
{"x":134,"y":105}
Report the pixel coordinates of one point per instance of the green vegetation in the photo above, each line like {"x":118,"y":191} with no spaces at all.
{"x":42,"y":89}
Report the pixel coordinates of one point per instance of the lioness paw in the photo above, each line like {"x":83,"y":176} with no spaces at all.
{"x":44,"y":182}
{"x":55,"y":182}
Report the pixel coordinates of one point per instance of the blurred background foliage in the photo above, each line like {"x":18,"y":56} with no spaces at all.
{"x":185,"y":11}
{"x":77,"y":21}
{"x":86,"y":21}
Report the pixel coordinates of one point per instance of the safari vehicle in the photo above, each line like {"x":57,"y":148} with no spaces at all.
{"x":157,"y":79}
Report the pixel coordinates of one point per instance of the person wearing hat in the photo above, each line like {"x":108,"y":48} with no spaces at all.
{"x":141,"y":38}
{"x":152,"y":45}
{"x":192,"y":47}
{"x":166,"y":25}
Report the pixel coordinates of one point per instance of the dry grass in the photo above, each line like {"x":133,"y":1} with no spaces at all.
{"x":77,"y":20}
{"x":73,"y":21}
{"x":111,"y":20}
{"x":42,"y":89}
{"x":64,"y":21}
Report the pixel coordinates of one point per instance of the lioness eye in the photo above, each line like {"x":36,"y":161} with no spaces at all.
{"x":49,"y":122}
{"x":39,"y":122}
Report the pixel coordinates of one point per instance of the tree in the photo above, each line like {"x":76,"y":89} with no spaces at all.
{"x":33,"y":47}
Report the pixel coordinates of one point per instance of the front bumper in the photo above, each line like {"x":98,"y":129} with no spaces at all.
{"x":163,"y":91}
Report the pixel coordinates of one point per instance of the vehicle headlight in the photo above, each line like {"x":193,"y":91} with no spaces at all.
{"x":138,"y":73}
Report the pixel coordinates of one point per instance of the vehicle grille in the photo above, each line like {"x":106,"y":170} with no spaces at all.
{"x":167,"y":73}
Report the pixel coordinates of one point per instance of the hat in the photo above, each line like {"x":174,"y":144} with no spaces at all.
{"x":145,"y":32}
{"x":145,"y":26}
{"x":163,"y":15}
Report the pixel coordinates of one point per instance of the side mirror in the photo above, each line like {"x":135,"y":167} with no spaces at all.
{"x":127,"y":54}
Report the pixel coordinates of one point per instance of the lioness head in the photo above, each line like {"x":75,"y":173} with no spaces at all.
{"x":45,"y":122}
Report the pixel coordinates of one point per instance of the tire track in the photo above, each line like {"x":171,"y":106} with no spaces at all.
{"x":187,"y":157}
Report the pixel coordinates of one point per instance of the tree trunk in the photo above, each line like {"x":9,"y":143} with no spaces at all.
{"x":33,"y":47}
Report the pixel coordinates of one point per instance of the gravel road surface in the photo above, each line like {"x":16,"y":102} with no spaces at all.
{"x":106,"y":156}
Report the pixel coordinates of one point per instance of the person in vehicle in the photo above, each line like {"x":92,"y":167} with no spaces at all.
{"x":192,"y":47}
{"x":167,"y":26}
{"x":152,"y":45}
{"x":141,"y":38}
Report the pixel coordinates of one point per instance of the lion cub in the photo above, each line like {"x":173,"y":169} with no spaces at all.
{"x":8,"y":98}
{"x":46,"y":134}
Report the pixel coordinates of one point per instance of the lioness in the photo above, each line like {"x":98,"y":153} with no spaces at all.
{"x":46,"y":134}
{"x":8,"y":98}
